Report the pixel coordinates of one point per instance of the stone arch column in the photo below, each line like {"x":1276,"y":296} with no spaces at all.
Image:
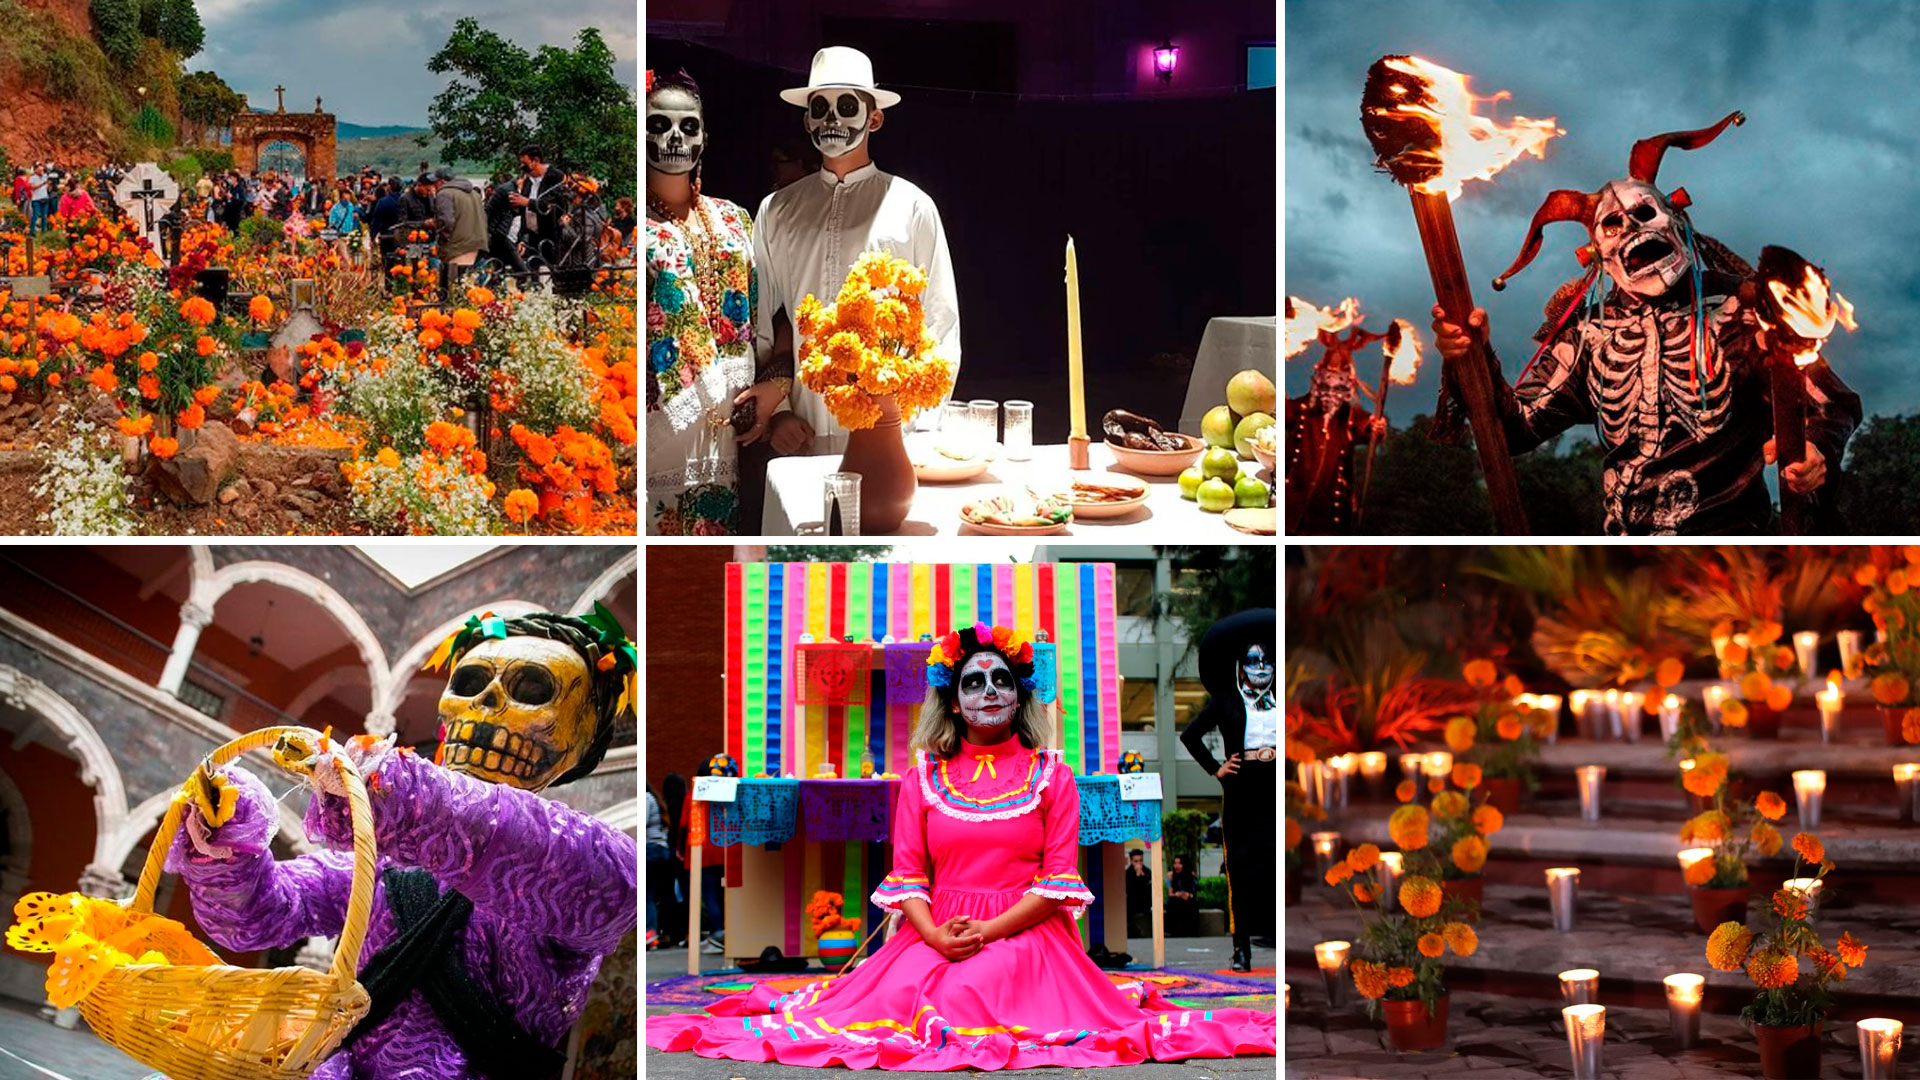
{"x":14,"y":868}
{"x":602,"y":585}
{"x":98,"y":770}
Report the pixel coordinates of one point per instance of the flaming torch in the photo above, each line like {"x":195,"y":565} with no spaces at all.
{"x":1305,"y":321}
{"x":1419,"y":117}
{"x":1798,"y":311}
{"x":1402,"y":366}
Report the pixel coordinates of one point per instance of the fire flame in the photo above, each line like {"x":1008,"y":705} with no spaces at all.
{"x":1811,"y":312}
{"x":1305,"y":321}
{"x":1403,"y":363}
{"x":1470,"y":147}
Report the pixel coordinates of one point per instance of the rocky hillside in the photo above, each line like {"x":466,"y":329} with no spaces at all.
{"x":60,"y":97}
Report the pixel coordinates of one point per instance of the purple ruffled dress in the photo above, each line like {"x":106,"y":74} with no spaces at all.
{"x":553,"y":891}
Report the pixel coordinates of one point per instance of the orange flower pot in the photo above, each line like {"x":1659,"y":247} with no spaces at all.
{"x":1891,"y":717}
{"x":1711,"y":907}
{"x":1411,"y":1027}
{"x":1788,"y":1053}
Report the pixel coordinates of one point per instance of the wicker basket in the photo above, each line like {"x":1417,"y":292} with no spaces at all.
{"x":229,"y":1023}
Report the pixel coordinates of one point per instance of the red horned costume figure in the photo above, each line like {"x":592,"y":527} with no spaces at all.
{"x":1665,"y":356}
{"x":1324,"y":424}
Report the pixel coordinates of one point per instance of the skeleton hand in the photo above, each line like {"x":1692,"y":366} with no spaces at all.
{"x":1452,"y":341}
{"x":1802,"y":477}
{"x":1377,"y":427}
{"x":213,"y":795}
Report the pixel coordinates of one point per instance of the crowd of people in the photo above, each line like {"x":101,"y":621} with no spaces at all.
{"x":49,"y":189}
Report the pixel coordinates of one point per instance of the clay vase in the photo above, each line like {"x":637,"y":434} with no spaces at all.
{"x":1788,"y":1053}
{"x":1503,"y":794}
{"x":1411,"y":1027}
{"x":887,"y":483}
{"x":1711,"y":907}
{"x":1762,"y":722}
{"x":1891,"y":717}
{"x":1469,"y":889}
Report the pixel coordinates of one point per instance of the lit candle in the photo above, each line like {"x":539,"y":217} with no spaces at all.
{"x":1906,"y":789}
{"x":1586,"y":1031}
{"x":1610,"y":703}
{"x":1332,"y":957}
{"x":1439,"y":765}
{"x":1849,"y":648}
{"x":1804,"y":643}
{"x":1669,"y":717}
{"x":1807,"y":887}
{"x":1392,"y":865}
{"x":1684,"y":993}
{"x":1590,"y":778}
{"x":1561,"y":883}
{"x":1720,"y":647}
{"x":1829,"y":700}
{"x":1715,"y":696}
{"x":1076,"y":386}
{"x":1343,"y":768}
{"x":1579,"y":986}
{"x":1286,"y":996}
{"x":1808,"y":787}
{"x":1879,"y":1047}
{"x":1373,"y":765}
{"x":1693,"y":855}
{"x":1582,"y":704}
{"x":1412,"y":766}
{"x":1631,"y":706}
{"x":1550,"y":704}
{"x":1324,"y":844}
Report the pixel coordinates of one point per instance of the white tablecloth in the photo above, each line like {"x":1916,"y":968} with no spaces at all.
{"x":1230,"y":346}
{"x":796,"y":490}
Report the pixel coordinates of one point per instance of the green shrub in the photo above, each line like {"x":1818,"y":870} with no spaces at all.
{"x":260,"y":231}
{"x":117,"y":23}
{"x":1213,"y":892}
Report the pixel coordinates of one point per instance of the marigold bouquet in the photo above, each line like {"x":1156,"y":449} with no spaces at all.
{"x":1893,"y":577}
{"x":1788,"y":997}
{"x":1759,"y":662}
{"x":1453,"y":825}
{"x":1402,"y":937}
{"x":1501,"y":737}
{"x":872,"y":343}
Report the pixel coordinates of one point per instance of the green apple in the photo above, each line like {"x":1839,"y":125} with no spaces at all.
{"x":1190,"y":482}
{"x":1220,"y":463}
{"x":1252,"y":492}
{"x":1250,"y":392}
{"x":1243,"y":432}
{"x":1215,"y":496}
{"x":1217,"y":426}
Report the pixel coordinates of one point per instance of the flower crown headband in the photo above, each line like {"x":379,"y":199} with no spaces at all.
{"x":599,"y":637}
{"x":950,"y":650}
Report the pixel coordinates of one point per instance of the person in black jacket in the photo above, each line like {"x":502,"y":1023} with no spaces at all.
{"x":503,"y":224}
{"x":1236,"y":666}
{"x":382,"y":218}
{"x":1183,"y":899}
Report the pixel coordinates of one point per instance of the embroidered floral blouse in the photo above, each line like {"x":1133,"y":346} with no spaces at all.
{"x":984,"y":828}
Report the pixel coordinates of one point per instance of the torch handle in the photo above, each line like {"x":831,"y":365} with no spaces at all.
{"x":1434,"y":216}
{"x":1373,"y":443}
{"x":1789,"y":434}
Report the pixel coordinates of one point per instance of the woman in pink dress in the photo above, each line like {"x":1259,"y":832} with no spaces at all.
{"x":987,"y":973}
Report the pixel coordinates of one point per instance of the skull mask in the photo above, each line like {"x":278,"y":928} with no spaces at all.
{"x":1641,"y":238}
{"x":517,"y":711}
{"x":1332,"y":382}
{"x":989,"y":695}
{"x":837,"y":120}
{"x":676,"y":131}
{"x":1256,"y":668}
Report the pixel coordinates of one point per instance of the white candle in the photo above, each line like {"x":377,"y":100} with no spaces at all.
{"x":1808,"y":787}
{"x":1392,"y":865}
{"x":1804,"y":644}
{"x":1829,"y":700}
{"x":1879,"y":1047}
{"x":1076,"y":383}
{"x":1610,"y":702}
{"x":1686,"y":988}
{"x":1331,"y":956}
{"x":1550,"y":704}
{"x":1373,"y":765}
{"x":1684,"y":993}
{"x":1590,"y":778}
{"x":1715,"y":696}
{"x":1632,"y":703}
{"x":1720,"y":647}
{"x":1439,"y":764}
{"x":1906,"y":783}
{"x":1324,"y":844}
{"x":1586,"y":1030}
{"x":1412,"y":766}
{"x":1849,"y":648}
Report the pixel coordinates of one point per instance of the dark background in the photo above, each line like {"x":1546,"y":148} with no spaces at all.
{"x":1032,"y":134}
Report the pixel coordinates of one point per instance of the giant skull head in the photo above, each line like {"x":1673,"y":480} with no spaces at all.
{"x":838,"y":120}
{"x":676,"y":130}
{"x":1640,"y":236}
{"x":517,"y":710}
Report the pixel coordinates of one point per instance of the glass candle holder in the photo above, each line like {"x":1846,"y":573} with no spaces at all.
{"x":1590,"y":778}
{"x":1581,"y":702}
{"x":1393,"y":866}
{"x":1550,"y":704}
{"x":1586,"y":1031}
{"x":1879,"y":1047}
{"x":1806,"y":887}
{"x":840,"y":509}
{"x":1611,"y":717}
{"x":1562,"y":883}
{"x":1439,"y":767}
{"x":1849,"y":641}
{"x":1693,"y":855}
{"x":1809,"y":787}
{"x":1830,"y":702}
{"x":1669,"y":717}
{"x":1804,"y":644}
{"x":1714,"y":696}
{"x":957,"y":432}
{"x":1632,"y":714}
{"x":1684,"y":994}
{"x":1373,"y":772}
{"x":1906,"y":787}
{"x":1343,"y":769}
{"x":1018,"y":439}
{"x":1325,"y":846}
{"x":1579,"y":986}
{"x":1332,"y":958}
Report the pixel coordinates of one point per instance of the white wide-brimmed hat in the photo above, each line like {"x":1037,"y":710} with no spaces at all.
{"x":839,"y":66}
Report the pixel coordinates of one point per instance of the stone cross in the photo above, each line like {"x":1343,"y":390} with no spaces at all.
{"x":145,"y":185}
{"x":280,"y":94}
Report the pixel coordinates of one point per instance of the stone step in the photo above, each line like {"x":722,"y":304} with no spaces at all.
{"x":1632,"y":940}
{"x":1854,"y":755}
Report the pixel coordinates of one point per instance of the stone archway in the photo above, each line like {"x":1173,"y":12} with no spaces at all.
{"x":312,"y":132}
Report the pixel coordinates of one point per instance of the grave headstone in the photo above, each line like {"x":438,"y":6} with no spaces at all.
{"x":145,"y":193}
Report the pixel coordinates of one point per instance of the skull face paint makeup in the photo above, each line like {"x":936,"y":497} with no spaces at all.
{"x":1256,"y":668}
{"x":988,"y":693}
{"x":676,"y":130}
{"x":837,"y":121}
{"x":1641,"y":238}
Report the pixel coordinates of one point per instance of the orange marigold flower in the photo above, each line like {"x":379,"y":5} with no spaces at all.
{"x":431,"y":339}
{"x":197,"y":310}
{"x":1771,"y":806}
{"x":163,"y":447}
{"x":1404,"y":791}
{"x":191,"y":417}
{"x":1707,"y":828}
{"x":514,"y":506}
{"x":1669,"y":671}
{"x":1771,"y":969}
{"x":260,"y":308}
{"x":1449,"y":805}
{"x":205,"y":345}
{"x":1701,"y":782}
{"x":1766,"y":632}
{"x":1470,"y":854}
{"x":1338,"y":873}
{"x":147,"y":361}
{"x":1734,"y":653}
{"x":1408,"y":827}
{"x":1809,"y":847}
{"x":1765,"y":838}
{"x":206,"y":395}
{"x":149,"y":387}
{"x":1459,"y":734}
{"x":133,"y":427}
{"x":1890,"y":688}
{"x":1909,"y":720}
{"x":1364,"y":857}
{"x":1436,"y":785}
{"x":1420,"y":896}
{"x":466,"y":319}
{"x":1789,"y":903}
{"x":1733,"y":713}
{"x":479,"y":297}
{"x":1363,"y":892}
{"x":1508,"y":726}
{"x":1699,"y":872}
{"x":1867,"y":574}
{"x":1460,"y":938}
{"x":1487,"y":819}
{"x":1780,"y":697}
{"x":1432,"y":944}
{"x":1399,"y":977}
{"x":1727,"y":946}
{"x":1754,"y":686}
{"x":1368,"y":978}
{"x":1851,"y":949}
{"x":103,"y":379}
{"x":1466,"y":775}
{"x":1479,"y":673}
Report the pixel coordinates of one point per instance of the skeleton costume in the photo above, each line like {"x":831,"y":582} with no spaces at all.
{"x":1665,"y":362}
{"x":1322,"y":428}
{"x":494,"y":904}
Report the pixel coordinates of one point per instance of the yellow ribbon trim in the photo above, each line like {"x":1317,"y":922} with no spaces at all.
{"x":983,"y":761}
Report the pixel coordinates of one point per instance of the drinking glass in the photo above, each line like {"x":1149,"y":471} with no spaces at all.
{"x":1019,"y":434}
{"x":842,"y":504}
{"x":986,"y":417}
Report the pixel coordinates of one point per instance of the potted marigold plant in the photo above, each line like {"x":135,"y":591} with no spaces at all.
{"x":1717,"y":881}
{"x":1403,"y":937}
{"x":1762,"y":667}
{"x":1787,"y":1012}
{"x":1501,"y":737}
{"x":1893,"y":665}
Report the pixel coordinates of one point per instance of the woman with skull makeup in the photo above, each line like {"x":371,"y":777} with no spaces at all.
{"x":986,"y":970}
{"x":494,"y":904}
{"x":703,"y":399}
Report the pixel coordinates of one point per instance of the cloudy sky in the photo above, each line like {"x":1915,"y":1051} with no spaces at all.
{"x":1824,"y":165}
{"x":368,"y":58}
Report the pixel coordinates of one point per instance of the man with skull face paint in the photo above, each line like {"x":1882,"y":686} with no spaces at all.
{"x":985,"y":971}
{"x":494,"y":904}
{"x":1236,"y":667}
{"x":1667,"y":363}
{"x":812,"y":232}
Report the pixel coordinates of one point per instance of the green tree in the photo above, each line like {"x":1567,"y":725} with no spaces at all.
{"x":1877,"y":493}
{"x":568,"y":101}
{"x":1213,"y":581}
{"x":207,"y":102}
{"x":117,"y":22}
{"x":1421,"y":487}
{"x":179,"y":27}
